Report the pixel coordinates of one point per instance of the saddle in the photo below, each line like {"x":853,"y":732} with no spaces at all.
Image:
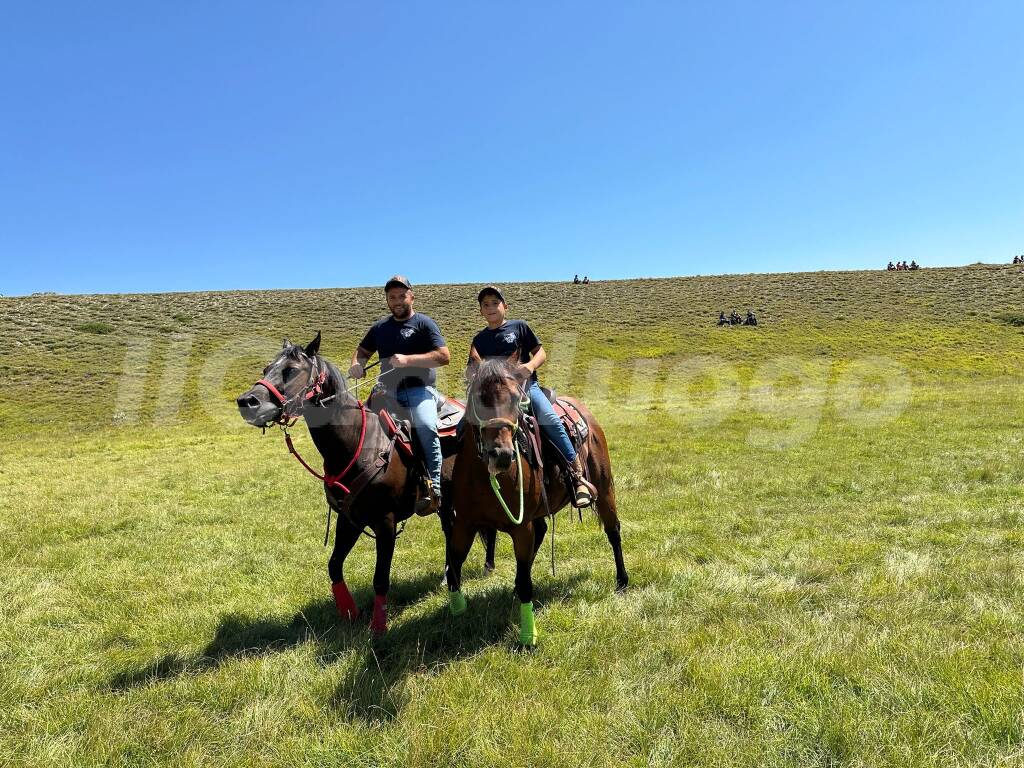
{"x":533,"y":442}
{"x":395,"y":420}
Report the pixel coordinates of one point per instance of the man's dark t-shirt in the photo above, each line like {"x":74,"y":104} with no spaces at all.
{"x":508,"y":337}
{"x":413,"y":336}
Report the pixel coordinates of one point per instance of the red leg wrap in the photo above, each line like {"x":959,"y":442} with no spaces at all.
{"x":343,"y":599}
{"x":380,"y":615}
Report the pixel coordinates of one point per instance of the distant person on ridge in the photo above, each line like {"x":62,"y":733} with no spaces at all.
{"x":722,"y":320}
{"x":751,"y":320}
{"x":913,"y":264}
{"x":501,"y":339}
{"x":891,"y":267}
{"x":410,"y":344}
{"x":586,"y":280}
{"x":575,"y":279}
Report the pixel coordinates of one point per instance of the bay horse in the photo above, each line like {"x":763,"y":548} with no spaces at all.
{"x":365,"y":481}
{"x":489,"y":461}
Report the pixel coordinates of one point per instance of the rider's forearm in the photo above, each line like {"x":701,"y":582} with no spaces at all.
{"x":360,"y":356}
{"x":435,"y":358}
{"x":537,"y":359}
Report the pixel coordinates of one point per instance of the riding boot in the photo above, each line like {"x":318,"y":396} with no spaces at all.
{"x":584,"y":492}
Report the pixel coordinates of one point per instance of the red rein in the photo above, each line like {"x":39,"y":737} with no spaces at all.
{"x":329,"y":480}
{"x":333,"y":480}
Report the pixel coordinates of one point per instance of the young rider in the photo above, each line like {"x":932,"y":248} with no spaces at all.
{"x":503,"y":337}
{"x":409,"y":344}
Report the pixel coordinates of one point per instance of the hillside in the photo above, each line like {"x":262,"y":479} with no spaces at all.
{"x":65,"y":358}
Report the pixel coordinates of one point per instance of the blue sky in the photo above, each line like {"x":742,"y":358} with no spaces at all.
{"x":206,"y":146}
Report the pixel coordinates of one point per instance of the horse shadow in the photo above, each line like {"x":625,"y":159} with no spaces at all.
{"x":372,"y":688}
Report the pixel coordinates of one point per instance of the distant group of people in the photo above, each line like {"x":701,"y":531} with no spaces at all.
{"x":902,"y":266}
{"x":735,"y":319}
{"x":576,"y":280}
{"x":1018,"y":259}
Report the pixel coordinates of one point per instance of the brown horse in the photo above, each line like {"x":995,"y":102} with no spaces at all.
{"x":490,"y":450}
{"x":365,"y":481}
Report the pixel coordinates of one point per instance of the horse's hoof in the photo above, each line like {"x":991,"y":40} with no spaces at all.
{"x":379,"y":622}
{"x":343,"y":601}
{"x":620,"y":586}
{"x":456,"y":603}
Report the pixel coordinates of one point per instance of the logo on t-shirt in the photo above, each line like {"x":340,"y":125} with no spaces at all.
{"x":509,"y":337}
{"x":407,"y":332}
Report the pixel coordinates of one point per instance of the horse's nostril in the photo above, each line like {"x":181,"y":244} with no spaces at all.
{"x":248,"y":401}
{"x":493,"y":453}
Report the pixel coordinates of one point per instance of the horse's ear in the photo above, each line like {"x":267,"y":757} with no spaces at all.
{"x":285,"y":344}
{"x":314,"y":346}
{"x":472,"y":367}
{"x":512,"y":361}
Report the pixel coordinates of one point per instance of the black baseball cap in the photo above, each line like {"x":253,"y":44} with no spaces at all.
{"x":490,"y":289}
{"x":398,"y":280}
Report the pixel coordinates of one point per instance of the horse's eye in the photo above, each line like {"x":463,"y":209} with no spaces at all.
{"x":288,"y":373}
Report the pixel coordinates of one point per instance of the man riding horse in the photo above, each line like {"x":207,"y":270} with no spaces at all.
{"x":410,"y":346}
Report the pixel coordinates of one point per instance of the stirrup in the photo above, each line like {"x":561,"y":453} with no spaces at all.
{"x":587,"y":501}
{"x":428,"y":504}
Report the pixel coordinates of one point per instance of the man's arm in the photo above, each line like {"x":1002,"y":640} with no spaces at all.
{"x":435,"y":358}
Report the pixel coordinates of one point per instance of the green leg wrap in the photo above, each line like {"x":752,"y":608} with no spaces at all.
{"x":527,"y":627}
{"x":456,"y":603}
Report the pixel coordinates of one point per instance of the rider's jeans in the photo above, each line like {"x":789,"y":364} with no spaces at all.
{"x":549,"y":422}
{"x":422,"y":405}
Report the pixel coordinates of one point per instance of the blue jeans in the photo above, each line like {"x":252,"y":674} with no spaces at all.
{"x":422,"y":405}
{"x":549,"y":422}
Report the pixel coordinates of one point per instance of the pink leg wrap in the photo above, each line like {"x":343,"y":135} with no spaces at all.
{"x":343,"y":599}
{"x":380,"y":615}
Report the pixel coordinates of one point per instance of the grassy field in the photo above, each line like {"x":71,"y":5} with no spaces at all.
{"x":821,"y":519}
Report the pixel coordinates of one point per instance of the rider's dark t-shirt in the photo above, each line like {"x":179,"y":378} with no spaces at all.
{"x":413,"y":336}
{"x":508,"y":337}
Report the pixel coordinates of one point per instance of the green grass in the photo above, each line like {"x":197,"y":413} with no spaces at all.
{"x":815,"y":581}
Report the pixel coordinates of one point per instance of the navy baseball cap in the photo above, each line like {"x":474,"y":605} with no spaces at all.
{"x":399,"y":280}
{"x":490,"y":290}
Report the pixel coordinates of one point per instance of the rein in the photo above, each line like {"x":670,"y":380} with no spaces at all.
{"x":314,"y":389}
{"x":497,"y":490}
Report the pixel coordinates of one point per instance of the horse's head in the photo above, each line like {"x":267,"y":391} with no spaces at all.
{"x":495,"y":390}
{"x":288,"y":381}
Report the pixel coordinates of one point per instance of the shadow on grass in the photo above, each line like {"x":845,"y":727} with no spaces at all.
{"x":373,"y":687}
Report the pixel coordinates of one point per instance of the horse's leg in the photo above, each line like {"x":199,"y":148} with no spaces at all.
{"x":490,"y":536}
{"x":523,"y":540}
{"x":345,"y":537}
{"x":540,"y":529}
{"x":385,"y":533}
{"x":609,"y":515}
{"x":445,"y":513}
{"x":456,"y":550}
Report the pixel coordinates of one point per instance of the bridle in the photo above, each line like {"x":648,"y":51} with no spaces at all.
{"x":501,"y":422}
{"x":313,"y":389}
{"x":498,"y":422}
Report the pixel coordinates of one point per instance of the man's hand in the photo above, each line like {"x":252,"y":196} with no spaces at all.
{"x":356,"y":371}
{"x":399,"y":360}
